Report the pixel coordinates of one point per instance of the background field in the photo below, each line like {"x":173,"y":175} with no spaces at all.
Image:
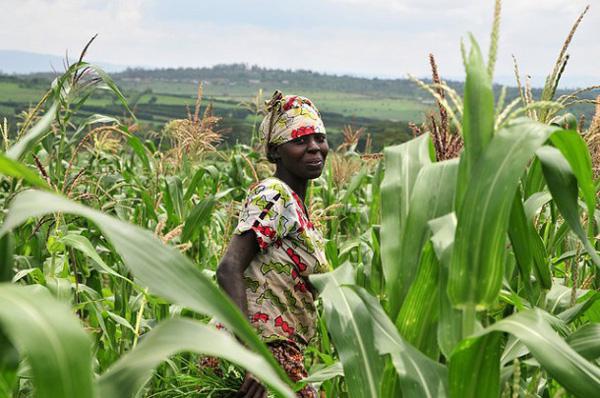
{"x":383,"y":107}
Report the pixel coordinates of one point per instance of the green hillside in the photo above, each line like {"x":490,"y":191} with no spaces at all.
{"x":382,"y":106}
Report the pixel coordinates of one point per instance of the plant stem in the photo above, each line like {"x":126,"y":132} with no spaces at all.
{"x":138,"y":320}
{"x":468,"y":324}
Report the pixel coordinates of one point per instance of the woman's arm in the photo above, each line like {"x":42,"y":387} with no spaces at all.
{"x":230,"y":273}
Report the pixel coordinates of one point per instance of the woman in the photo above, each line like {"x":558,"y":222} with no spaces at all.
{"x":275,"y":246}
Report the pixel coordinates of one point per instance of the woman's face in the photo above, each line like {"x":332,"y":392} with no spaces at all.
{"x":304,"y":157}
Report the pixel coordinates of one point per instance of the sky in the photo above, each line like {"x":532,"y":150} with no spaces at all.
{"x":383,"y":38}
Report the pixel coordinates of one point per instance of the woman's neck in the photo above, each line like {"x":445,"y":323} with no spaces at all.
{"x":297,"y":185}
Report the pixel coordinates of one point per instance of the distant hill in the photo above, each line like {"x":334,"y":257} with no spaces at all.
{"x":305,"y":80}
{"x":26,"y":62}
{"x":382,"y":106}
{"x":232,"y":74}
{"x":23,"y":62}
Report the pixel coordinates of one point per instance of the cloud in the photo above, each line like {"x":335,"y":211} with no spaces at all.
{"x":468,"y":6}
{"x":363,"y":37}
{"x":53,"y":26}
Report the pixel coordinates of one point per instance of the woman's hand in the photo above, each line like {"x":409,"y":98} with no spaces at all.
{"x":251,"y":388}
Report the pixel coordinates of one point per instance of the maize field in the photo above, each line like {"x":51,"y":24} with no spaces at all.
{"x":464,"y":263}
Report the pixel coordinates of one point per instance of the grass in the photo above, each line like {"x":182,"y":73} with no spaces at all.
{"x":15,"y":92}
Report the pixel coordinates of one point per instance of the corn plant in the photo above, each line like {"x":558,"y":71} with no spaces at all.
{"x":469,"y":249}
{"x":58,"y":351}
{"x":467,"y":277}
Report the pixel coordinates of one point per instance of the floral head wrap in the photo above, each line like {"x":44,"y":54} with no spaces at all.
{"x":289,"y":117}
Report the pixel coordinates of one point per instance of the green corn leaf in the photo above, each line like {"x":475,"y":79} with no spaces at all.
{"x":477,"y":265}
{"x":563,"y":363}
{"x":119,"y":320}
{"x":81,"y":243}
{"x":140,"y":150}
{"x":513,"y":349}
{"x":390,"y":385}
{"x":33,"y":136}
{"x":7,"y":259}
{"x":193,"y":185}
{"x":576,"y":152}
{"x":174,"y":194}
{"x":354,"y":184}
{"x":418,"y":375}
{"x":535,"y":202}
{"x":480,"y":360}
{"x":586,"y":341}
{"x":50,"y":336}
{"x":558,"y":237}
{"x":534,"y":182}
{"x":417,"y":320}
{"x":9,"y":365}
{"x":198,"y":217}
{"x":375,"y":202}
{"x":60,"y":288}
{"x":94,"y":119}
{"x":14,"y":168}
{"x":568,"y":255}
{"x":574,"y":312}
{"x":163,"y":269}
{"x":478,"y":117}
{"x":592,"y":313}
{"x":149,"y":205}
{"x":374,"y":273}
{"x":519,"y":238}
{"x":449,"y":331}
{"x":170,"y":337}
{"x":540,"y":259}
{"x":527,"y":245}
{"x":562,"y":183}
{"x":402,"y":165}
{"x":351,"y":328}
{"x":559,"y":298}
{"x":322,"y":375}
{"x":432,"y":196}
{"x":112,"y":86}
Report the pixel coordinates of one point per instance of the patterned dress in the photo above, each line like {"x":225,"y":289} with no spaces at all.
{"x":280,"y":298}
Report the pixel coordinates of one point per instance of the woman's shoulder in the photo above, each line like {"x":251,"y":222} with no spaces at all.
{"x":271,"y":187}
